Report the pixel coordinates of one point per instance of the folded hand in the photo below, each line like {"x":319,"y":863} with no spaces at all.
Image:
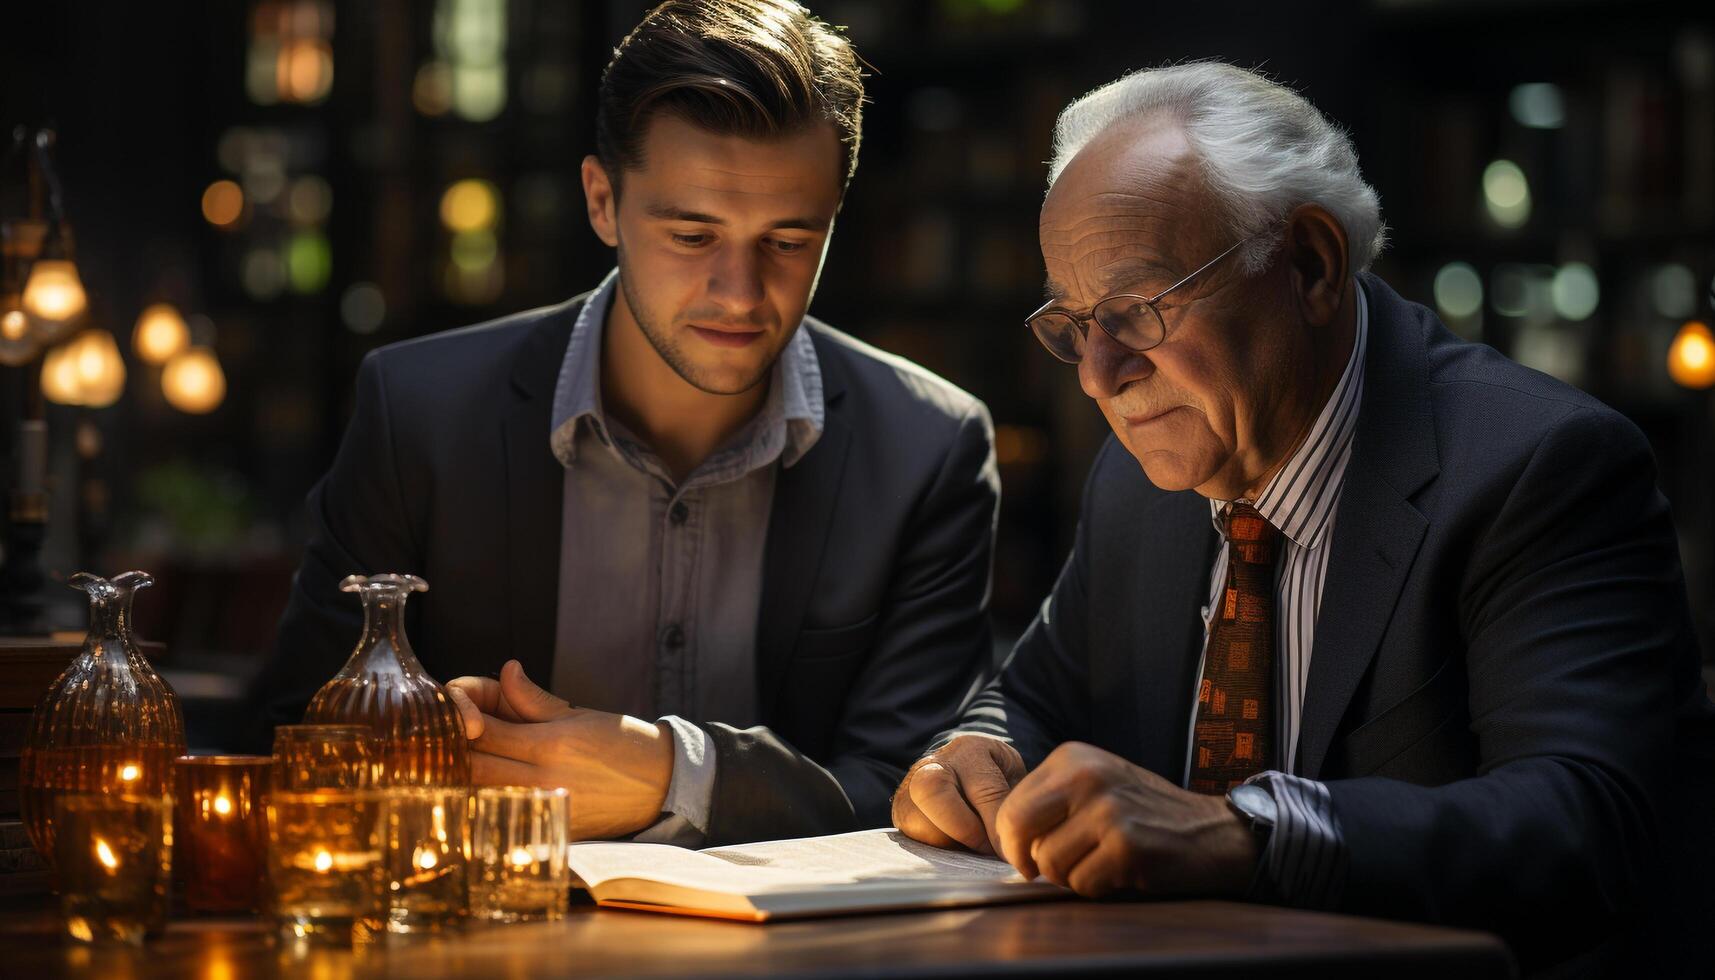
{"x":616,"y":767}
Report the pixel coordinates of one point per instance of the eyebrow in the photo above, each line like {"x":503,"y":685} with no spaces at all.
{"x":668,"y":212}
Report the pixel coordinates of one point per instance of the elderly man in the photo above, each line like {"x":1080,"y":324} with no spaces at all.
{"x":1386,"y":623}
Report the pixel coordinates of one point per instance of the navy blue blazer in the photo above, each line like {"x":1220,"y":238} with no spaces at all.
{"x":873,"y":614}
{"x":1504,"y":694}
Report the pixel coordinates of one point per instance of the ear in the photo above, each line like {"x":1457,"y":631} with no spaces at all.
{"x":601,"y":201}
{"x":1316,"y":261}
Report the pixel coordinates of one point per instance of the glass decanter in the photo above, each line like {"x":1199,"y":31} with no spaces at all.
{"x":108,"y":724}
{"x":383,"y":686}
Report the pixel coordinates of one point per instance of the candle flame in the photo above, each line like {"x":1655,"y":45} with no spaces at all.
{"x":520,"y":857}
{"x":129,"y":772}
{"x":223,"y":804}
{"x":425,"y":858}
{"x":324,"y":860}
{"x":105,"y":855}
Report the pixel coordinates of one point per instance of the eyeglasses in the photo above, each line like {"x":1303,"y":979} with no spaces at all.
{"x":1133,"y":321}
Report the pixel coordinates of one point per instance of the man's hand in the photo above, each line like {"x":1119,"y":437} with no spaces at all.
{"x":616,"y":767}
{"x":1095,"y":823}
{"x":950,"y":796}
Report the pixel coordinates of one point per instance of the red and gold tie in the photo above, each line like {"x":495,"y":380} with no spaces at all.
{"x":1234,"y":735}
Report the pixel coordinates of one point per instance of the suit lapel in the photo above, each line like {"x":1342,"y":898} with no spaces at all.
{"x":1177,"y":550}
{"x":1377,"y":530}
{"x":535,"y":483}
{"x":798,"y":523}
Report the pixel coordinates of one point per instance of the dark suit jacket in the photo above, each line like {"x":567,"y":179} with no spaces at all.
{"x":873,"y":621}
{"x":1504,"y":694}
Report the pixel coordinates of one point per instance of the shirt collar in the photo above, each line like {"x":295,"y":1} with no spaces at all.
{"x":1300,"y":500}
{"x":789,"y":424}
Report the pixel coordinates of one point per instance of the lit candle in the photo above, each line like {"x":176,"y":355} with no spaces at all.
{"x":112,"y":861}
{"x":104,"y":854}
{"x":325,"y":866}
{"x":221,"y":831}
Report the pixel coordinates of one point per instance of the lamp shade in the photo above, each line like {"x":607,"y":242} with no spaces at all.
{"x":59,"y":377}
{"x":160,"y":333}
{"x":193,"y":381}
{"x":54,"y":297}
{"x":18,"y":343}
{"x":99,"y":369}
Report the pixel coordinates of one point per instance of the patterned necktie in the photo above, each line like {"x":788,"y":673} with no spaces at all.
{"x":1234,"y":734}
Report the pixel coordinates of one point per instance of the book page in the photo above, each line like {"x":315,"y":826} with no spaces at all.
{"x":599,"y":862}
{"x":867,"y":855}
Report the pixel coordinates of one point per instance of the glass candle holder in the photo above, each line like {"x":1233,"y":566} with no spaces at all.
{"x":113,"y":865}
{"x":518,"y":856}
{"x":220,"y":831}
{"x":309,"y":757}
{"x":325,"y":865}
{"x":427,"y":830}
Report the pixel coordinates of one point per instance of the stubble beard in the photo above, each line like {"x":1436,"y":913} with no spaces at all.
{"x":661,"y":338}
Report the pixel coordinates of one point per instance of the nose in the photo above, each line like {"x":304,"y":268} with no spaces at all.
{"x":1108,"y":367}
{"x":735,"y":282}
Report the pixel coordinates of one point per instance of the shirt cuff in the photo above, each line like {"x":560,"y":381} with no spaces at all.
{"x":1304,"y":863}
{"x":690,"y":792}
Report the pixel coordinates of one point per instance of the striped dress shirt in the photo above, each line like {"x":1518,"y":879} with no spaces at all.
{"x":1304,"y":863}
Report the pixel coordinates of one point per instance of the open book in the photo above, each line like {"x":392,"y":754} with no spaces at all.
{"x":867,"y":871}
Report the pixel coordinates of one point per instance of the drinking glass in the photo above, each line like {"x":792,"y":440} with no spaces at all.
{"x":427,"y":830}
{"x":309,"y":757}
{"x":518,"y":865}
{"x":326,"y":864}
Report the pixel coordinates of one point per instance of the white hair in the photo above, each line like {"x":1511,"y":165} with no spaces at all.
{"x":1263,"y":148}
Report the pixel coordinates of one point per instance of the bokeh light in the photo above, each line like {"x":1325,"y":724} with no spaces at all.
{"x":363,"y":307}
{"x":1537,"y":105}
{"x":193,"y":381}
{"x":54,"y":293}
{"x":1691,"y":357}
{"x":1506,"y":194}
{"x":309,"y":262}
{"x":1458,"y":290}
{"x":1673,"y":291}
{"x":1575,"y":291}
{"x":309,"y":200}
{"x":470,"y":205}
{"x":223,"y":203}
{"x":160,"y":333}
{"x":264,"y":273}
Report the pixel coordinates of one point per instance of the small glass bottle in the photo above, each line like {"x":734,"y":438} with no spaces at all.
{"x":108,"y":724}
{"x":416,"y":724}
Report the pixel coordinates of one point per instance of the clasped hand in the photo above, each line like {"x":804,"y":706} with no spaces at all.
{"x":617,"y":767}
{"x":1085,"y":818}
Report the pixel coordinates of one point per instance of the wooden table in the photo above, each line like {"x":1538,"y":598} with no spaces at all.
{"x":1207,"y":939}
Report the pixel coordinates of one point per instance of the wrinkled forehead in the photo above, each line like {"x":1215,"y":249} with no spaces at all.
{"x":1122,"y":211}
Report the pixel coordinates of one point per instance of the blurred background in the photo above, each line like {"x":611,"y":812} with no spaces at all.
{"x":255,"y":193}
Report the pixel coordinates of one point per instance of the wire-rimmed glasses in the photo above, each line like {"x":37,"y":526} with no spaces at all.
{"x":1133,"y":321}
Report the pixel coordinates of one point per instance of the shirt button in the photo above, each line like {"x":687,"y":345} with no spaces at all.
{"x":679,"y":513}
{"x":674,"y":637}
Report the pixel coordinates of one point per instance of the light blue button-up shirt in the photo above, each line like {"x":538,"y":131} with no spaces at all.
{"x":660,"y":581}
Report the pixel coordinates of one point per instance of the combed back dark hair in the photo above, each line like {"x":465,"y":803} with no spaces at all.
{"x":758,"y":69}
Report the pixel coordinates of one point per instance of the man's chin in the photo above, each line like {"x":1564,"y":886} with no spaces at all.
{"x":1166,"y":469}
{"x":727,"y":379}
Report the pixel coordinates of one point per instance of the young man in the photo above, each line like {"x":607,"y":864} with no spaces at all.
{"x":753,"y":552}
